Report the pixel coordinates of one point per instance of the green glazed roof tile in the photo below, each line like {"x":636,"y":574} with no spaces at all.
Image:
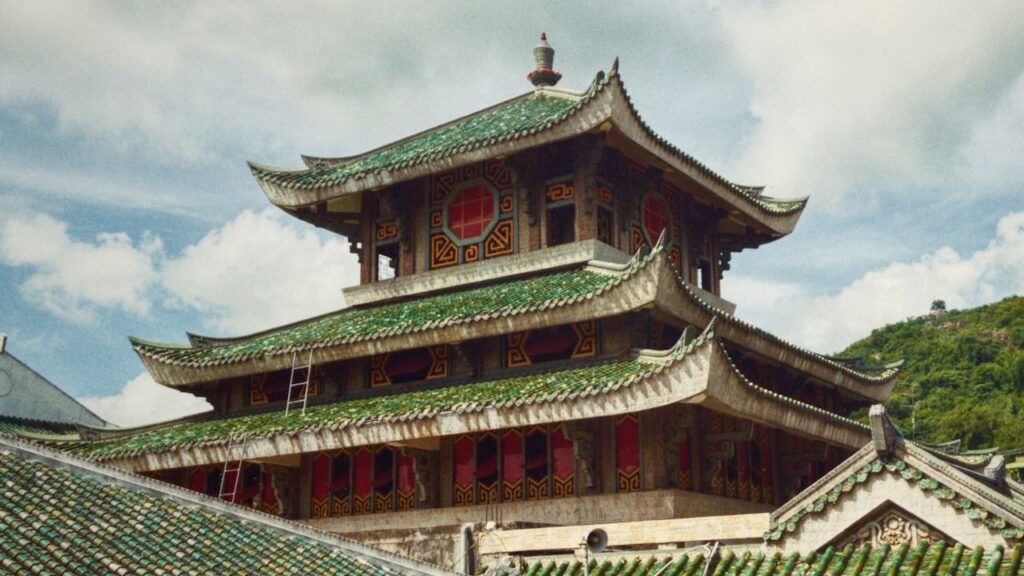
{"x":359,"y":324}
{"x":13,"y":426}
{"x":923,"y":559}
{"x":559,"y":385}
{"x":58,"y":517}
{"x":515,"y":118}
{"x":538,"y":387}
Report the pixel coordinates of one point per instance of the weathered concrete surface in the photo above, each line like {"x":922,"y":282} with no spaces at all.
{"x":423,"y":283}
{"x":728,"y":528}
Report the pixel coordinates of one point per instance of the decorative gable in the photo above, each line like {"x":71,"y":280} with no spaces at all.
{"x":893,"y":491}
{"x":893,"y":526}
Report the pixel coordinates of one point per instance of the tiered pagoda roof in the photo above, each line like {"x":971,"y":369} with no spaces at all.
{"x":698,"y":372}
{"x":542,"y":116}
{"x":595,"y":290}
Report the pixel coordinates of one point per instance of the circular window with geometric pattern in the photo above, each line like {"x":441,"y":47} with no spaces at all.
{"x":655,"y":217}
{"x":471,"y":212}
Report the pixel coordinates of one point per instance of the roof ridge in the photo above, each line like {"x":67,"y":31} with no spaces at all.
{"x":759,"y":200}
{"x":891,"y":370}
{"x":782,"y":398}
{"x":424,"y":132}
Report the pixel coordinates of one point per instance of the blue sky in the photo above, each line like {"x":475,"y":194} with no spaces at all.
{"x":126,"y":207}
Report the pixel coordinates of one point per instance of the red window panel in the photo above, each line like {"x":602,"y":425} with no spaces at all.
{"x":471,"y":212}
{"x":767,"y":491}
{"x":197,"y":480}
{"x":406,"y":482}
{"x":562,"y":463}
{"x":270,"y":501}
{"x":341,"y":484}
{"x":512,"y":465}
{"x":655,"y":217}
{"x":362,"y":481}
{"x":743,"y":469}
{"x":321,"y":489}
{"x":627,"y":453}
{"x":685,"y":465}
{"x":463,"y":477}
{"x":384,"y":479}
{"x":536,"y":463}
{"x":487,"y":468}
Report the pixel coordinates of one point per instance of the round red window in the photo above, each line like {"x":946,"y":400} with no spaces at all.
{"x":655,"y":217}
{"x":471,"y":212}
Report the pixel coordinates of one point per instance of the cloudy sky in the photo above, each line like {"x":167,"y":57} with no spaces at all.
{"x":126,"y":207}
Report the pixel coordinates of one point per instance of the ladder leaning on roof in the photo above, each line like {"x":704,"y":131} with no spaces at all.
{"x":233,"y":464}
{"x":237,"y":446}
{"x":306,"y":373}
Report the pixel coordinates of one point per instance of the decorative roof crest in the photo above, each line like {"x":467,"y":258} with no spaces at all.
{"x":544,"y":58}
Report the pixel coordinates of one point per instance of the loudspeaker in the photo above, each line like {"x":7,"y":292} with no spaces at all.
{"x":597,"y":541}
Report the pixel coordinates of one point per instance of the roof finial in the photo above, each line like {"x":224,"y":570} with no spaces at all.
{"x":544,"y":57}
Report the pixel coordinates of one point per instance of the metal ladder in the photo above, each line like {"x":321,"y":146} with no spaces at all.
{"x":233,"y":464}
{"x":307,"y":374}
{"x":237,"y":446}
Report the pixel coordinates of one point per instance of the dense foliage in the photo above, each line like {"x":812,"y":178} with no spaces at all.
{"x":963,"y":376}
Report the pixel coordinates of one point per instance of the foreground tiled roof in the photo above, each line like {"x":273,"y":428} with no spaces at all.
{"x":25,"y":427}
{"x":902,"y":560}
{"x":62,"y":516}
{"x":359,"y":324}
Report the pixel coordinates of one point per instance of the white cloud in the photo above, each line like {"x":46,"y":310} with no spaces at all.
{"x":258,"y":271}
{"x":993,"y":155}
{"x":188,"y":82}
{"x":63,"y":183}
{"x":886,"y":295}
{"x":856,"y":95}
{"x":73,"y":279}
{"x":143,"y":401}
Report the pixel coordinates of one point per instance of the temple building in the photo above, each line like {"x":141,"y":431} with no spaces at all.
{"x":539,"y":346}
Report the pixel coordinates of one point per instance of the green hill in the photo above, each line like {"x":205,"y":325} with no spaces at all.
{"x":963,"y":376}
